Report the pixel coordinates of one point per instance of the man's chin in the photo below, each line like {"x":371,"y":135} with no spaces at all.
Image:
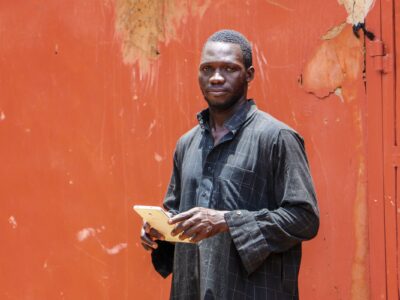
{"x":220,"y":105}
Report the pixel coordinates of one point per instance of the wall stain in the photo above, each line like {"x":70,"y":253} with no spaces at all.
{"x":143,"y":24}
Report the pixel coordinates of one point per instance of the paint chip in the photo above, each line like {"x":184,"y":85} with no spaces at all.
{"x":338,"y":92}
{"x":158,"y":157}
{"x":13,"y":222}
{"x":85,"y":233}
{"x":116,"y":249}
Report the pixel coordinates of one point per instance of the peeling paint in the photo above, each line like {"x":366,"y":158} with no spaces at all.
{"x":143,"y":24}
{"x":337,"y":63}
{"x":2,"y":116}
{"x":334,"y":31}
{"x":357,"y":10}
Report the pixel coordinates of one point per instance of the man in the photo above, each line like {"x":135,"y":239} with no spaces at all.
{"x":240,"y":189}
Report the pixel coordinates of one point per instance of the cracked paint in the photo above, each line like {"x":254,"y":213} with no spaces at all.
{"x":143,"y":24}
{"x":357,"y":10}
{"x":337,"y":63}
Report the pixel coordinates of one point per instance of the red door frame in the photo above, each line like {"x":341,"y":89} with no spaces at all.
{"x":382,"y":153}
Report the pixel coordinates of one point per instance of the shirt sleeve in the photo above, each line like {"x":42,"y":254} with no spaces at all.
{"x":163,"y":256}
{"x":256,"y":234}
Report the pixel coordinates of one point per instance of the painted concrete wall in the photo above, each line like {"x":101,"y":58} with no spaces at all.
{"x":94,"y":95}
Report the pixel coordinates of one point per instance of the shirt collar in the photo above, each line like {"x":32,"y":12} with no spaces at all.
{"x":234,"y":123}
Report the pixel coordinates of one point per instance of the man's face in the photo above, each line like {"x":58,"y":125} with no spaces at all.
{"x":223,"y":78}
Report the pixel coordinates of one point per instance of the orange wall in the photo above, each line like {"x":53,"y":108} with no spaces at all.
{"x":95,"y":93}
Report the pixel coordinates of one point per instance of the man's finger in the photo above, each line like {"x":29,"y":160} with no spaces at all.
{"x":156,"y":235}
{"x":183,"y":226}
{"x":146,"y":247}
{"x":182,"y":216}
{"x":147,"y":241}
{"x":146,"y":227}
{"x":191,"y":231}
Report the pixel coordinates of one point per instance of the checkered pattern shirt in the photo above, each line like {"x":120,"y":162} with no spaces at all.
{"x":259,"y":173}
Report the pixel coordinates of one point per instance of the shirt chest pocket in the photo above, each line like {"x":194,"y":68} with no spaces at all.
{"x":241,"y":177}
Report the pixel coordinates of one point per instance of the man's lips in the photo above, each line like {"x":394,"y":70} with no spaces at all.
{"x":217,"y":92}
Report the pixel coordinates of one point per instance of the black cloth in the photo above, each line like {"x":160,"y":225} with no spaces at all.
{"x":259,"y":173}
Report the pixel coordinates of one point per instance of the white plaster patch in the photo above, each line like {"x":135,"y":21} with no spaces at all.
{"x":13,"y":222}
{"x":357,"y":10}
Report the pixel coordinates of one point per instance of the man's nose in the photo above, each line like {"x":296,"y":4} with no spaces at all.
{"x":217,"y":78}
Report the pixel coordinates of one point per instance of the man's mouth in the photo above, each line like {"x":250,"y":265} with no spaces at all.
{"x":217,"y":92}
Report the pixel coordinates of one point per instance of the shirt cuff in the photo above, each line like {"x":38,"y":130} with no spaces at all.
{"x":248,"y":239}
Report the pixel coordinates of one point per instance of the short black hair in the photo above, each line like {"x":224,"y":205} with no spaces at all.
{"x":234,"y":37}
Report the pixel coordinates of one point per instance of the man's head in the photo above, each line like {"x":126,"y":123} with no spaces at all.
{"x":234,"y":37}
{"x":225,"y":69}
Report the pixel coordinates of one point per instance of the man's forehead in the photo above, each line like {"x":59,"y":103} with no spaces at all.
{"x":221,"y":51}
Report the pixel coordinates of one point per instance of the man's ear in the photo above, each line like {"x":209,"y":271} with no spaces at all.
{"x":250,"y":74}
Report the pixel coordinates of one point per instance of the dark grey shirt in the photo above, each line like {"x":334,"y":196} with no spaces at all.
{"x":259,"y":172}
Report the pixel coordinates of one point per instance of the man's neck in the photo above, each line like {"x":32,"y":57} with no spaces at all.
{"x":219,"y":117}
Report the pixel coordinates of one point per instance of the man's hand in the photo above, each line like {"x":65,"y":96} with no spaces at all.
{"x":199,"y":223}
{"x":148,"y":236}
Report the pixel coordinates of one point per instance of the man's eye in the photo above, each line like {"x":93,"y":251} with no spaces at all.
{"x":229,"y":69}
{"x":206,"y":69}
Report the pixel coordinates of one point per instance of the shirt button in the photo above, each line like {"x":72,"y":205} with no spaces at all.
{"x":203,"y":194}
{"x":209,"y":169}
{"x":239,"y":213}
